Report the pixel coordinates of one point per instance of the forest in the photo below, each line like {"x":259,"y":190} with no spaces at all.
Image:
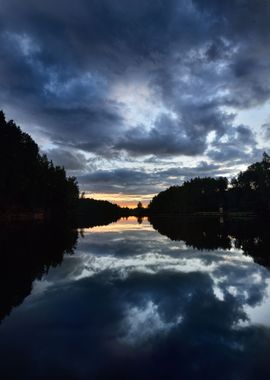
{"x":32,"y":185}
{"x":248,"y":192}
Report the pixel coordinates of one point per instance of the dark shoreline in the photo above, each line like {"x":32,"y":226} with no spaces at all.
{"x":41,"y":217}
{"x":25,"y":216}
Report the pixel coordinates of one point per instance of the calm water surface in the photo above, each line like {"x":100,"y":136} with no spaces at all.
{"x":128,"y":302}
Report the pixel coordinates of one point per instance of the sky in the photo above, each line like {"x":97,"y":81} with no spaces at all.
{"x":133,"y":96}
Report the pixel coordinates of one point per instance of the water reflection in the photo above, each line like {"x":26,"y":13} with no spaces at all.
{"x":250,"y":235}
{"x":133,"y":304}
{"x":27,"y":253}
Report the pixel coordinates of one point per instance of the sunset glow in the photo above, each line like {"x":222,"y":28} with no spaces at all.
{"x":123,"y":200}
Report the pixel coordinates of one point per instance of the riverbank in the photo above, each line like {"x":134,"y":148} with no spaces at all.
{"x":25,"y":216}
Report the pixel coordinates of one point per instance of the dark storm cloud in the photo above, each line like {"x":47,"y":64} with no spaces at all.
{"x":132,"y":181}
{"x":119,"y":180}
{"x":110,"y":29}
{"x":70,"y":160}
{"x":167,"y":137}
{"x":189,"y":135}
{"x":61,"y":63}
{"x":266,"y":130}
{"x":87,"y":128}
{"x":239,"y":145}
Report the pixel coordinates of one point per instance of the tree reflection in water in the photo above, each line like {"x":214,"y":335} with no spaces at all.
{"x":27,"y":253}
{"x":250,"y":235}
{"x":133,"y":304}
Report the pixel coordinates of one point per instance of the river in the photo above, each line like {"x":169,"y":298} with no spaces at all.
{"x":176,"y":300}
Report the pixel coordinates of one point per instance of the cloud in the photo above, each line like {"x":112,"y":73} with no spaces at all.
{"x":238,"y":145}
{"x":70,"y":160}
{"x":167,"y":137}
{"x":134,"y":181}
{"x":202,"y":62}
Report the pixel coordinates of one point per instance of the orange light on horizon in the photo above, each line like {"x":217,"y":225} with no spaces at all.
{"x":122,"y":200}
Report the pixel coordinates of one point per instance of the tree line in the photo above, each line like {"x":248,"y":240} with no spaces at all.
{"x":29,"y":181}
{"x":32,"y":185}
{"x":249,"y":191}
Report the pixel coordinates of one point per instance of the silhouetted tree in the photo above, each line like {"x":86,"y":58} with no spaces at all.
{"x":251,"y":189}
{"x":92,"y":212}
{"x":139,"y":205}
{"x":196,"y":195}
{"x":29,"y":181}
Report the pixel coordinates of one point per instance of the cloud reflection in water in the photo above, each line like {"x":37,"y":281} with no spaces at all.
{"x":131,"y":303}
